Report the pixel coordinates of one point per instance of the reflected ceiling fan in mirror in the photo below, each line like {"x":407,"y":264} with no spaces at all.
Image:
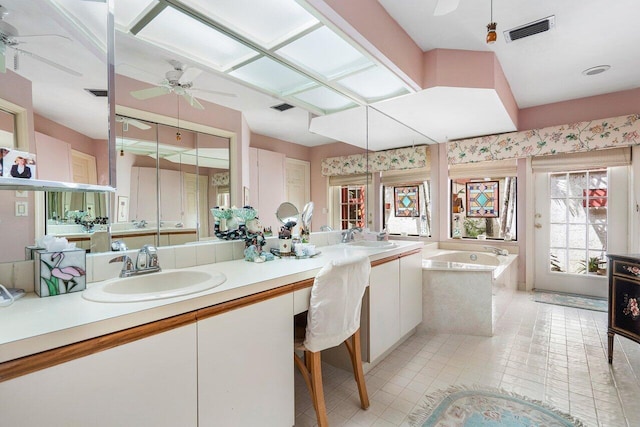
{"x":444,"y":7}
{"x":126,"y":121}
{"x":179,"y":81}
{"x":10,"y":38}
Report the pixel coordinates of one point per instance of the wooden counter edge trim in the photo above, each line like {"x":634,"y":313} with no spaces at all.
{"x":49,"y":358}
{"x":394,"y":257}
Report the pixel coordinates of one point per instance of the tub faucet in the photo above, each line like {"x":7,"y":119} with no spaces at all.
{"x":497,"y":251}
{"x":347,"y":235}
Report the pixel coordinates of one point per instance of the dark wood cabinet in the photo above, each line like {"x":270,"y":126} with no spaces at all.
{"x":624,"y":297}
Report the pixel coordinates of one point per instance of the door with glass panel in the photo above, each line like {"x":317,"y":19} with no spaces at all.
{"x":574,"y":223}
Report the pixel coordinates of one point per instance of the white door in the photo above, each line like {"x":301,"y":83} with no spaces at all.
{"x":580,"y":216}
{"x":298,"y":182}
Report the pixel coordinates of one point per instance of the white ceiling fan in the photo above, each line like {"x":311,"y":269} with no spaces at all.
{"x":126,"y":121}
{"x":11,"y":39}
{"x":179,"y":81}
{"x":444,"y":7}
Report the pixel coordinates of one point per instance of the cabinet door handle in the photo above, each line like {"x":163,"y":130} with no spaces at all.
{"x":537,"y":225}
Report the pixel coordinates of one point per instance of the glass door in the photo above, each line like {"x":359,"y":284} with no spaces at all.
{"x":572,"y":224}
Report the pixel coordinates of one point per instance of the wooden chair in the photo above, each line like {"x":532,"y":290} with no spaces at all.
{"x":334,"y":318}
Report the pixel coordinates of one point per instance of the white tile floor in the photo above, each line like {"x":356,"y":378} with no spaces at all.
{"x":546,"y":352}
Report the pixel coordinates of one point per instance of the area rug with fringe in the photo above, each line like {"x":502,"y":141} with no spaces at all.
{"x":461,"y":406}
{"x":571,"y":300}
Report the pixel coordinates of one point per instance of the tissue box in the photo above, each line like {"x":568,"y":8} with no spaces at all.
{"x":59,"y":272}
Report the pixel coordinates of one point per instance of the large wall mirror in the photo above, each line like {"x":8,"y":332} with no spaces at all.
{"x":53,"y":93}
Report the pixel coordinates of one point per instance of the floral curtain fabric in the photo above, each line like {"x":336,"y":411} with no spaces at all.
{"x":221,"y":178}
{"x":396,"y":159}
{"x":575,"y":137}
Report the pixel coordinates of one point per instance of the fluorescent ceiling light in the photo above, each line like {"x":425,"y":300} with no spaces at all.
{"x":265,"y":22}
{"x":324,"y":53}
{"x":374,"y":83}
{"x":178,"y":32}
{"x":325,"y":99}
{"x":272,"y":76}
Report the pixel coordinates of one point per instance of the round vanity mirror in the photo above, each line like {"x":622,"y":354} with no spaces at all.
{"x":307,"y":213}
{"x":287,"y":212}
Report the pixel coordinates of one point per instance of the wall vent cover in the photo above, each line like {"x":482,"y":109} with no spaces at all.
{"x":282,"y":107}
{"x":526,"y":30}
{"x":98,"y":92}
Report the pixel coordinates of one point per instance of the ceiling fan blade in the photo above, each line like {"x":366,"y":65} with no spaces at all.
{"x":192,"y":101}
{"x":215,"y":92}
{"x":444,"y":7}
{"x":138,"y":124}
{"x":152,"y":92}
{"x":190,"y":75}
{"x":48,"y":62}
{"x":65,"y":38}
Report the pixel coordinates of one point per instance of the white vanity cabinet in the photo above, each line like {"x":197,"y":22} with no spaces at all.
{"x":245,"y":366}
{"x":384,"y":308}
{"x":149,"y":382}
{"x":410,"y":292}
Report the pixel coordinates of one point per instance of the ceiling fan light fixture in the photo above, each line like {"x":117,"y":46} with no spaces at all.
{"x":492,"y":36}
{"x":491,"y":29}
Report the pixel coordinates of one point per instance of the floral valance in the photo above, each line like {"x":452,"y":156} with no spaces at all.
{"x":220,"y":178}
{"x":583,"y":136}
{"x":396,"y":159}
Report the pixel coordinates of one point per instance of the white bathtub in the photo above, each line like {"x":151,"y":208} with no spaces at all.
{"x":458,"y":290}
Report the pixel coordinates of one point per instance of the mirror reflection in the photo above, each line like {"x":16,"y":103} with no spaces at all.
{"x":168,"y":180}
{"x":52,"y":51}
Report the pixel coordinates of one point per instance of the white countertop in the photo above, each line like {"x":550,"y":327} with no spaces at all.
{"x":34,"y":324}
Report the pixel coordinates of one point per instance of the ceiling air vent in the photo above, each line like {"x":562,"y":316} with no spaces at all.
{"x":539,"y":26}
{"x":282,"y":107}
{"x":97,"y":92}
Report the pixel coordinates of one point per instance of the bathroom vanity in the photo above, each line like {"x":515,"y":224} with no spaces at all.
{"x":218,"y":357}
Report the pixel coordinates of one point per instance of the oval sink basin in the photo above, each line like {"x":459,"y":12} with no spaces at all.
{"x":153,"y":286}
{"x":373,"y":244}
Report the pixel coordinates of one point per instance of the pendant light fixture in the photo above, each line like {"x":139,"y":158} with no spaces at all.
{"x":491,"y":29}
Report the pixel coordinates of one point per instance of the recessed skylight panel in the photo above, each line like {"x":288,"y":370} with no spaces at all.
{"x":126,"y":12}
{"x":268,"y":74}
{"x":178,"y":32}
{"x":325,"y":99}
{"x":374,"y":83}
{"x":265,"y":22}
{"x":324,"y":53}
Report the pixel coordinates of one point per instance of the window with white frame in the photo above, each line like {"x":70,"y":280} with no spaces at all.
{"x":407,"y":209}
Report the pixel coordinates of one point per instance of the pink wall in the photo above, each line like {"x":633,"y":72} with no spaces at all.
{"x":213,"y":115}
{"x":292,"y":151}
{"x":465,"y":68}
{"x":17,"y":90}
{"x":578,"y":110}
{"x":79,"y":142}
{"x":369,"y":24}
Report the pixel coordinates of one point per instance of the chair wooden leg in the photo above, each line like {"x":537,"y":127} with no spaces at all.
{"x":354,"y":347}
{"x":316,"y":384}
{"x":304,"y":371}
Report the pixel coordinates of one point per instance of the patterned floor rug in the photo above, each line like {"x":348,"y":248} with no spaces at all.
{"x":570,"y":300}
{"x":460,"y":406}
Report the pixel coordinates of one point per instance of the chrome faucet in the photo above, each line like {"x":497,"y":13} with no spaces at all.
{"x":497,"y":251}
{"x":146,"y":262}
{"x":347,"y":235}
{"x":128,"y":268}
{"x":140,"y":224}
